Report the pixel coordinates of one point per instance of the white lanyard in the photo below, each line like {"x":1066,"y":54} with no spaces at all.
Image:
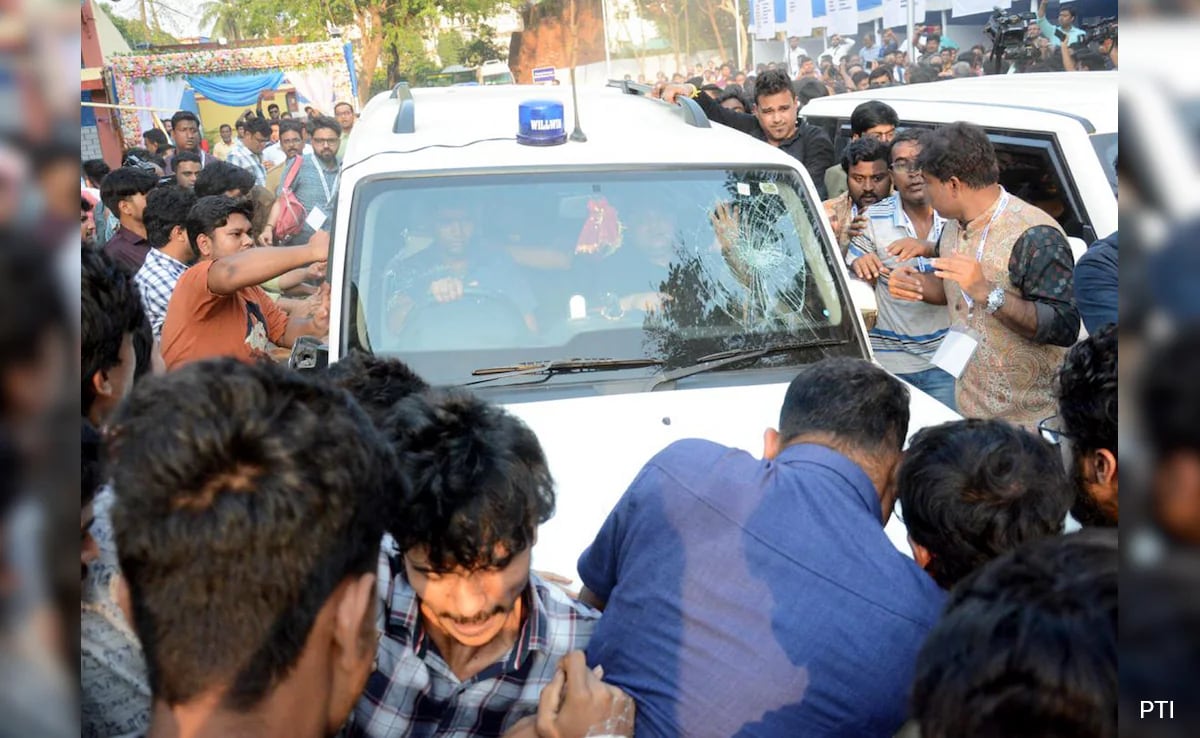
{"x":324,"y":184}
{"x":983,"y":241}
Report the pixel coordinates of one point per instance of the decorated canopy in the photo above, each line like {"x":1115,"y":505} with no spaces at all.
{"x":320,"y":72}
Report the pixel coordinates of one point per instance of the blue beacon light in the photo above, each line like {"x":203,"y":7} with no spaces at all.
{"x":540,"y":123}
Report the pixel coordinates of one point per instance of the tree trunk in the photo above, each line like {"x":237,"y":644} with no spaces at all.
{"x":371,"y":26}
{"x":710,"y":10}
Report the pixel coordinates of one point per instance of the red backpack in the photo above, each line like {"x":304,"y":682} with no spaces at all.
{"x":291,"y":212}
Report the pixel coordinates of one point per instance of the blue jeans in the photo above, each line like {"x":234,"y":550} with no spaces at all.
{"x":934,"y":382}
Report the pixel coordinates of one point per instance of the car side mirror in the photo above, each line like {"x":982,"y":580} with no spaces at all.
{"x":309,"y":354}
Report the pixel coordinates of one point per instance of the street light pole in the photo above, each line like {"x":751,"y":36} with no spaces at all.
{"x":737,"y":33}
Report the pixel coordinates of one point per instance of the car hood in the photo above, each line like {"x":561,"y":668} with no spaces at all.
{"x":597,"y":445}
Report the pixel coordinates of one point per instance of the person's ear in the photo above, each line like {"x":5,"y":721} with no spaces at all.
{"x":204,"y":244}
{"x":354,"y":623}
{"x":101,"y":384}
{"x":1104,"y":466}
{"x":178,"y":232}
{"x":772,"y":444}
{"x":920,"y":554}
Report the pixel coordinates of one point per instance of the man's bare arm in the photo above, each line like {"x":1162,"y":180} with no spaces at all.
{"x":256,"y":265}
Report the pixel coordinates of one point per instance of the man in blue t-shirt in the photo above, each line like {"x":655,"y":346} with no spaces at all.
{"x":747,"y":597}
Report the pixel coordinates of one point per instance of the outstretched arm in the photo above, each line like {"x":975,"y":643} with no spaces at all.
{"x":256,"y":265}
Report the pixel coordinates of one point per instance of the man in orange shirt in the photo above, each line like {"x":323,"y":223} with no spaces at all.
{"x":217,"y":308}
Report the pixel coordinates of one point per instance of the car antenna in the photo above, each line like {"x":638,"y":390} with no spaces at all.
{"x":577,"y":134}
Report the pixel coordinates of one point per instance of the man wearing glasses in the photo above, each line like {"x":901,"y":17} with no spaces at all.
{"x":247,"y":150}
{"x":1085,"y":428}
{"x":899,"y":229}
{"x":316,"y":181}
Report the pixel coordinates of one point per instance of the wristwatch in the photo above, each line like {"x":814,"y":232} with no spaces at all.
{"x":995,"y":300}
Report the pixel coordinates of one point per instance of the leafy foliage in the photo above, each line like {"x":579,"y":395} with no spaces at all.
{"x":137,"y":34}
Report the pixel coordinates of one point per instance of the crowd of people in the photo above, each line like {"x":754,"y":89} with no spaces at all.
{"x":349,"y":552}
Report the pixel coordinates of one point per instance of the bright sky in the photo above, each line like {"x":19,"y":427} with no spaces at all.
{"x":180,"y":18}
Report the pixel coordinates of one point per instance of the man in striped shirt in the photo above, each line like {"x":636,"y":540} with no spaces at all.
{"x":899,"y":229}
{"x":247,"y":151}
{"x":470,"y":635}
{"x":171,"y":253}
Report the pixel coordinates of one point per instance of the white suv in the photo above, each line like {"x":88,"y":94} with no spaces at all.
{"x":662,"y":280}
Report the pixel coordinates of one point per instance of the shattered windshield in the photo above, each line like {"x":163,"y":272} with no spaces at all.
{"x":457,"y":273}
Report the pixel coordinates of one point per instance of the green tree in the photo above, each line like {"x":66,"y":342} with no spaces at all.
{"x":225,"y":19}
{"x":450,"y":46}
{"x":386,"y":29}
{"x":138,"y":34}
{"x":482,"y":48}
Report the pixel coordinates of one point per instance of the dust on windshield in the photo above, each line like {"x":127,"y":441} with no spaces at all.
{"x":454,"y":273}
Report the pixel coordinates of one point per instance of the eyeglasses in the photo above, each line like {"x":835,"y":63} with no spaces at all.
{"x":326,"y":141}
{"x":906,"y":167}
{"x":1051,"y":430}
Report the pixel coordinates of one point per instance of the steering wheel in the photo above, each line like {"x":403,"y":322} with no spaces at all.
{"x":481,"y":318}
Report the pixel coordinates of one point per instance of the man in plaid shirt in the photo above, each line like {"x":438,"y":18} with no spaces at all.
{"x":247,"y":151}
{"x":470,"y":636}
{"x":165,"y":217}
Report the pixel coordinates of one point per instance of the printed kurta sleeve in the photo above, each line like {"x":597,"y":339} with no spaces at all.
{"x":1041,"y":267}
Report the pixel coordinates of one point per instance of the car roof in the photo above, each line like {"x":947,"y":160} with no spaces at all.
{"x":453,"y":126}
{"x":1000,"y":100}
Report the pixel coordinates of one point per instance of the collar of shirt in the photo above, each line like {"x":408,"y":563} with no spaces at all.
{"x":127,"y":235}
{"x":972,"y":228}
{"x":244,"y":150}
{"x":900,"y":219}
{"x":861,"y":485}
{"x":166,"y":259}
{"x":403,"y":622}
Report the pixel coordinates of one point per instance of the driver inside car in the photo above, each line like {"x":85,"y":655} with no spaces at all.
{"x":455,"y":265}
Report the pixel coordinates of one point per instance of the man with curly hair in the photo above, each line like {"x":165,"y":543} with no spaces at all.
{"x":1086,"y":426}
{"x":471,"y":636}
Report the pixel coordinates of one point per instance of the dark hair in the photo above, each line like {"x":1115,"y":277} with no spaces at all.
{"x":84,"y":205}
{"x":240,"y":124}
{"x":272,"y":105}
{"x":1087,"y":392}
{"x":96,"y":169}
{"x":378,"y":383}
{"x":340,"y":104}
{"x":1170,"y":394}
{"x":212,"y":212}
{"x":1088,"y":60}
{"x":960,"y":150}
{"x":166,"y":207}
{"x":1069,"y":10}
{"x":864,"y":149}
{"x":110,"y":309}
{"x":324,"y":121}
{"x":291,"y":124}
{"x":902,"y":136}
{"x":143,"y":347}
{"x":921,"y":74}
{"x":183,"y":115}
{"x":125,"y":182}
{"x":733,"y":92}
{"x":234,"y":529}
{"x":971,"y":490}
{"x":255,"y":125}
{"x":870,"y":114}
{"x":28,"y":276}
{"x":479,"y":477}
{"x":181,"y":156}
{"x":852,"y":399}
{"x":155,"y":136}
{"x":1027,"y":646}
{"x":881,"y":70}
{"x":220,"y":177}
{"x":858,"y":77}
{"x":772,"y":82}
{"x":809,"y":89}
{"x":934,"y":37}
{"x":223,"y":126}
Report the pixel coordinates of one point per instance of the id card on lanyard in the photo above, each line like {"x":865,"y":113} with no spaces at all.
{"x":960,"y":344}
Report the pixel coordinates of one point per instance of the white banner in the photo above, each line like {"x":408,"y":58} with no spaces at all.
{"x":799,"y":18}
{"x":843,"y":17}
{"x":895,"y":12}
{"x":971,"y":7}
{"x":764,"y":19}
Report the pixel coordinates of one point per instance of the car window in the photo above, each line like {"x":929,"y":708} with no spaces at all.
{"x":1031,"y":169}
{"x":458,"y":273}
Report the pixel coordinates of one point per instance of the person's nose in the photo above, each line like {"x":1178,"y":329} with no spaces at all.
{"x":469,"y":597}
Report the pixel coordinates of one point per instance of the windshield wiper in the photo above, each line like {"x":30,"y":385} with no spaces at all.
{"x":550,"y":368}
{"x":717,"y":360}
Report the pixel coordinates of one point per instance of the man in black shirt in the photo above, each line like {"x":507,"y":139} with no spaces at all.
{"x":775,"y":121}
